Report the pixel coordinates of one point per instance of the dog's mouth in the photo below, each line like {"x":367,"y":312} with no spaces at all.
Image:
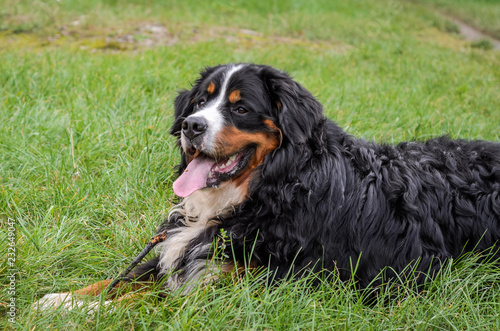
{"x":204,"y":171}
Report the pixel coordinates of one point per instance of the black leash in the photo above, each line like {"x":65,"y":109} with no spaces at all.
{"x":154,"y":241}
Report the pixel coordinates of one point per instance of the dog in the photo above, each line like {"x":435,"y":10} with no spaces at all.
{"x":264,"y":170}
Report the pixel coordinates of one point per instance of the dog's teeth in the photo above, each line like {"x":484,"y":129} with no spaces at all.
{"x":232,"y":158}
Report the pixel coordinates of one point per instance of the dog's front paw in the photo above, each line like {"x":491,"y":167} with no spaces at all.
{"x":67,"y":301}
{"x":55,"y":300}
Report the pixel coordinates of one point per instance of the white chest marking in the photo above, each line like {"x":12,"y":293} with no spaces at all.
{"x":200,"y":210}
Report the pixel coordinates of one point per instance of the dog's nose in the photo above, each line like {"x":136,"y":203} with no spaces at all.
{"x":192,"y":127}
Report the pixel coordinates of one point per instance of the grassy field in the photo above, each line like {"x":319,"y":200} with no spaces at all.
{"x":86,"y":92}
{"x":482,"y":14}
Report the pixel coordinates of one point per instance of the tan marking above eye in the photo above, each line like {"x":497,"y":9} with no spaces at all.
{"x":234,"y":96}
{"x":211,"y":88}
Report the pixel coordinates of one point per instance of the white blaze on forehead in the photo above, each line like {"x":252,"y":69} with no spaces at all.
{"x":211,"y":112}
{"x":223,"y":90}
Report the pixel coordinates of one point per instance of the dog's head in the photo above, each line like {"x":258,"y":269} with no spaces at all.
{"x":233,"y":117}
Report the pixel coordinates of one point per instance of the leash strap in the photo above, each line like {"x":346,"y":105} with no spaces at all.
{"x":154,"y":241}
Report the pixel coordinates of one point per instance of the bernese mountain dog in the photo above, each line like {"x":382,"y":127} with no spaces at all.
{"x":290,"y":191}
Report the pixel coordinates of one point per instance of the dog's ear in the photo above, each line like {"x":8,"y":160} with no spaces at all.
{"x":184,"y":106}
{"x":296,"y":110}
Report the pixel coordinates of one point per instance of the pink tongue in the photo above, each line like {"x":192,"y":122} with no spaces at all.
{"x":194,"y":177}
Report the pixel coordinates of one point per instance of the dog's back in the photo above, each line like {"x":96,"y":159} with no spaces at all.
{"x":359,"y":206}
{"x":429,"y":200}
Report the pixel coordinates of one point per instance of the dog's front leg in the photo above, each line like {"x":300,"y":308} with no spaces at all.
{"x":70,"y":300}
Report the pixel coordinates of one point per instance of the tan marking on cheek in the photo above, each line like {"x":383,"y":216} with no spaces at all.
{"x":271,"y":125}
{"x":235,"y":96}
{"x":211,"y":88}
{"x":278,"y":104}
{"x":232,"y":140}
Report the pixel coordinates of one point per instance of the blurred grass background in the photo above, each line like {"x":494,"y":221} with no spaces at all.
{"x":86,"y":92}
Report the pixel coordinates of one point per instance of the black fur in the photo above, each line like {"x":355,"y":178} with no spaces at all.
{"x":325,"y":200}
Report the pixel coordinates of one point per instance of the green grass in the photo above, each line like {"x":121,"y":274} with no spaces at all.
{"x":86,"y":162}
{"x":482,"y":14}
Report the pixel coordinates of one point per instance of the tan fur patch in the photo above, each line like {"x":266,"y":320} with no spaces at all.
{"x":235,"y":96}
{"x":271,"y":125}
{"x":231,"y":140}
{"x":94,"y":289}
{"x":238,"y":271}
{"x":274,"y":128}
{"x":211,"y":88}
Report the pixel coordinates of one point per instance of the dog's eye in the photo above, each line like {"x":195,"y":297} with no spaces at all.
{"x":241,"y":110}
{"x":201,"y":103}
